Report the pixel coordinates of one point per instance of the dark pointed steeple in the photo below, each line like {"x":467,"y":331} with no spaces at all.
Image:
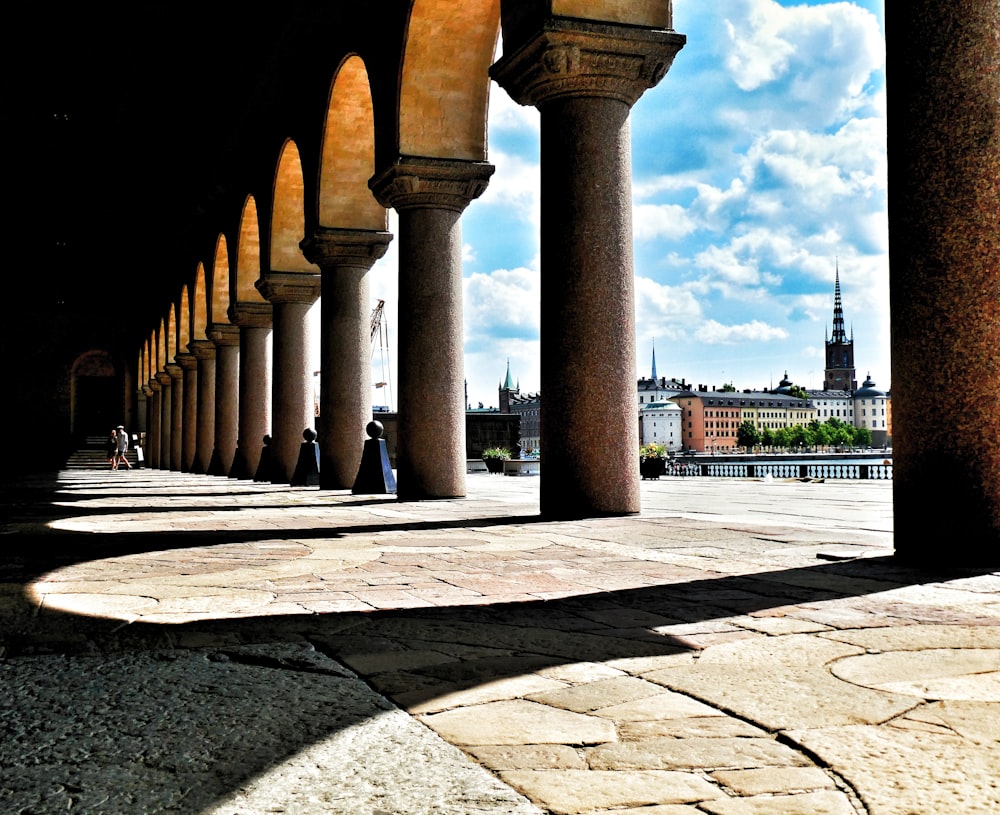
{"x":654,"y":361}
{"x":840,"y":374}
{"x":507,"y":383}
{"x":839,"y":334}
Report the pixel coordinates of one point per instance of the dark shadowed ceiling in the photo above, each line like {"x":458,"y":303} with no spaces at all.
{"x":117,"y":123}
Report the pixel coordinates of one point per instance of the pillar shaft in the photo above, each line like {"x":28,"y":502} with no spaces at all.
{"x":189,"y":411}
{"x":291,"y":295}
{"x":430,"y":195}
{"x":584,"y":78}
{"x":345,"y":257}
{"x":227,"y":371}
{"x":153,"y":431}
{"x":254,"y":321}
{"x":944,"y":247}
{"x":166,"y":412}
{"x":204,"y":353}
{"x":176,"y":414}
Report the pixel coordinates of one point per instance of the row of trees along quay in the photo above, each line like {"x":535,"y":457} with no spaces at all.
{"x":819,"y":435}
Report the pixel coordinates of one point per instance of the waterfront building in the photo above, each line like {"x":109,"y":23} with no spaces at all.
{"x":711,"y":418}
{"x":871,"y":410}
{"x":660,"y":423}
{"x":528,"y":406}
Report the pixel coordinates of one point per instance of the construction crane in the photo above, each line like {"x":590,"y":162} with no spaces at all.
{"x":380,"y":329}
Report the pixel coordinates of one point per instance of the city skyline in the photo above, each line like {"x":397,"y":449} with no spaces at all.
{"x":759,"y":170}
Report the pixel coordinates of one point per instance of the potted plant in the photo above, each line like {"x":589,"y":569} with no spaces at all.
{"x":494,"y":458}
{"x":652,"y":460}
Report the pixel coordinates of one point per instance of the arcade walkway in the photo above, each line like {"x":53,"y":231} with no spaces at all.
{"x":205,"y":646}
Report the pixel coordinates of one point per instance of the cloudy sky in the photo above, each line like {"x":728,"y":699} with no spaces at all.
{"x":759,"y":166}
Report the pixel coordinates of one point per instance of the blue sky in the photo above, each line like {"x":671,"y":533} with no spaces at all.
{"x":759,"y":165}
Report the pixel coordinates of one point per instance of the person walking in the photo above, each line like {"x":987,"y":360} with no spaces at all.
{"x":112,"y":448}
{"x":121,"y":457}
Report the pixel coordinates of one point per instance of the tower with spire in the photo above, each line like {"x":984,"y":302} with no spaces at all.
{"x":840,"y":374}
{"x":508,"y":391}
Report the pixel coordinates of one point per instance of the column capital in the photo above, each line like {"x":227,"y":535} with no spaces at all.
{"x":162,"y":379}
{"x":416,"y":181}
{"x":188,"y":362}
{"x":569,"y":58}
{"x":150,"y":388}
{"x":202,"y":349}
{"x":223,"y":334}
{"x":289,"y":287}
{"x":329,"y":248}
{"x":246,"y":314}
{"x":174,"y":371}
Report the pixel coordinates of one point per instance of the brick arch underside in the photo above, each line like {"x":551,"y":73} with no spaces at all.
{"x":348,"y":160}
{"x":444,"y":86}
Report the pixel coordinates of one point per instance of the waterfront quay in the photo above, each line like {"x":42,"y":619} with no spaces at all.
{"x":862,"y":466}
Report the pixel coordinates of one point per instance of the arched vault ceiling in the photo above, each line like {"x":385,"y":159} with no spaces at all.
{"x":444,"y":91}
{"x":345,"y":200}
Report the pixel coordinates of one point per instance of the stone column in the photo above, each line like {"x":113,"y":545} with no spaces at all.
{"x":584,"y":78}
{"x":430,"y":196}
{"x":944,"y":250}
{"x":345,"y":257}
{"x":166,"y":412}
{"x":292,"y":408}
{"x":226,"y":339}
{"x":204,"y":352}
{"x":254,"y":322}
{"x":153,"y":431}
{"x":189,"y":410}
{"x":176,"y":414}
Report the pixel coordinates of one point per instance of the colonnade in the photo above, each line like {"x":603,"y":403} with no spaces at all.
{"x":584,"y":75}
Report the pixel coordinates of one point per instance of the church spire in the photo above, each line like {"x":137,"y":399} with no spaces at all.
{"x":839,"y":334}
{"x":654,"y":361}
{"x":508,"y":384}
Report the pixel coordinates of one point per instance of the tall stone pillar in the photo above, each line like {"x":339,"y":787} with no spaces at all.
{"x":227,"y":371}
{"x":291,"y":294}
{"x":584,"y":78}
{"x":430,"y":196}
{"x":166,"y":412}
{"x":189,"y":411}
{"x":153,"y":431}
{"x":944,"y":252}
{"x":204,"y":352}
{"x":345,"y":257}
{"x":176,"y":414}
{"x":254,"y":322}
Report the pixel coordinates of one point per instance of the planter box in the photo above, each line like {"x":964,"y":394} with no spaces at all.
{"x":652,"y":468}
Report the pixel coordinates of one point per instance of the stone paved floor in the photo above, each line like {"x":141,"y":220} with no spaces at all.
{"x":196,"y":645}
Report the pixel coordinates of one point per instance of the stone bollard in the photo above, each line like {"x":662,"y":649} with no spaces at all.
{"x":375,"y":473}
{"x":307,"y":469}
{"x":264,"y":465}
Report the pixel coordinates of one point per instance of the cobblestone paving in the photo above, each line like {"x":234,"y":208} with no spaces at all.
{"x":188,"y":644}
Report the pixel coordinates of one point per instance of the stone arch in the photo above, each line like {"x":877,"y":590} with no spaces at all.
{"x":348,"y":153}
{"x":444,"y":91}
{"x":288,"y":224}
{"x":161,"y":346}
{"x":247,"y":255}
{"x":184,"y":321}
{"x":218,"y":301}
{"x":199,"y":304}
{"x":171,"y":344}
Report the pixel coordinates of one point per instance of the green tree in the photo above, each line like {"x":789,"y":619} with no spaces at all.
{"x":862,"y":437}
{"x":729,"y":387}
{"x":747,"y":435}
{"x":782,"y":437}
{"x":797,"y":436}
{"x":767,"y":437}
{"x":798,"y":392}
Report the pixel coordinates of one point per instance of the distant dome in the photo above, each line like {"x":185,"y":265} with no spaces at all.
{"x":785,"y":386}
{"x":868,"y":390}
